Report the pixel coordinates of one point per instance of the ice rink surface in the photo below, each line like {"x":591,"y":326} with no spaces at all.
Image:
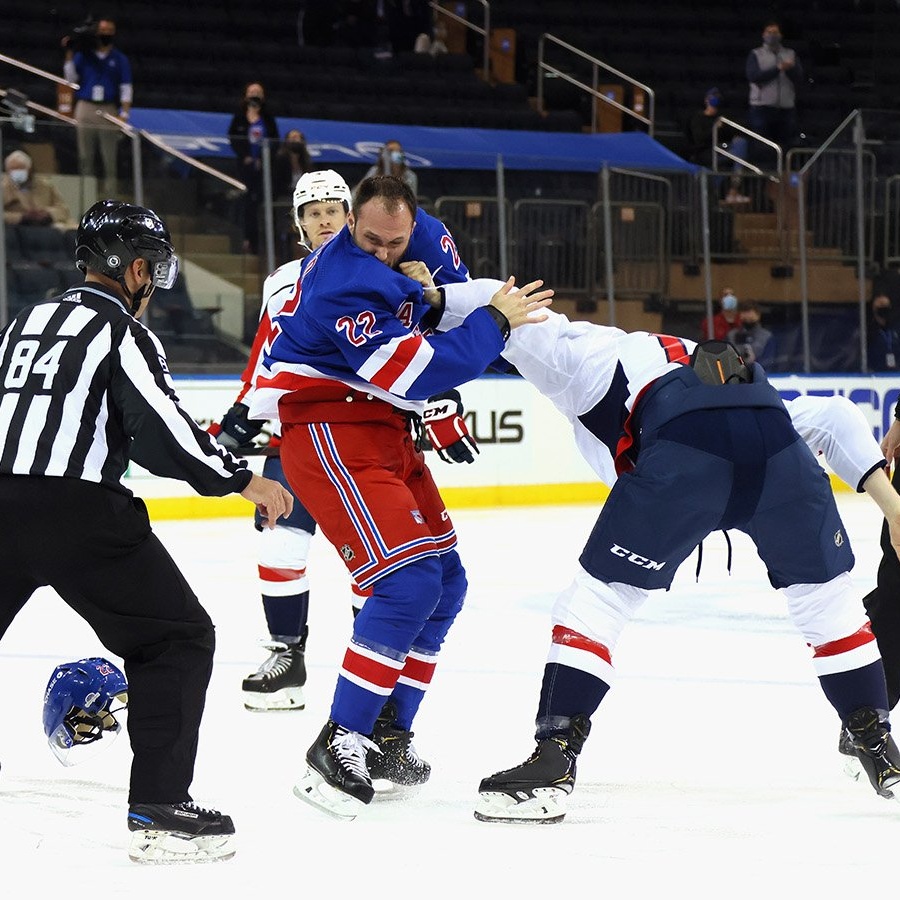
{"x":712,"y":769}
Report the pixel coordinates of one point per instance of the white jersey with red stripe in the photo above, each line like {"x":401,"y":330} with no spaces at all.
{"x":594,"y":375}
{"x":279,"y":290}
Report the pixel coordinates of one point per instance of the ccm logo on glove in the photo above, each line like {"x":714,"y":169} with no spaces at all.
{"x":447,"y":430}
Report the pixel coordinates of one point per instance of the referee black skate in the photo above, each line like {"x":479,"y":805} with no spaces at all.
{"x":84,"y":388}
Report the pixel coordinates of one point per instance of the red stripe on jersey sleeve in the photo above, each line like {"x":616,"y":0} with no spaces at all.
{"x":394,"y":368}
{"x":674,"y":347}
{"x":260,"y":342}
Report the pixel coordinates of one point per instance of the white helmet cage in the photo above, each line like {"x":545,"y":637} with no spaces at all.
{"x":324,"y":185}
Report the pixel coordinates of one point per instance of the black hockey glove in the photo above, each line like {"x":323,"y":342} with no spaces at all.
{"x":446,"y":428}
{"x":235,"y":430}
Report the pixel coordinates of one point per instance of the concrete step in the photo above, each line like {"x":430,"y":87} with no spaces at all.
{"x":249,"y":282}
{"x":829,"y":282}
{"x":181,"y":223}
{"x":745,"y":220}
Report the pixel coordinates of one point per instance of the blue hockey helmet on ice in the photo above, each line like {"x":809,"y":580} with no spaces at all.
{"x":81,"y":702}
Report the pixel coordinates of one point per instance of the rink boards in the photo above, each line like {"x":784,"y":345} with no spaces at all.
{"x":527,"y":453}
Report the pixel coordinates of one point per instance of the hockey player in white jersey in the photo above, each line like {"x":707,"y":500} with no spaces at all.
{"x":321,"y":203}
{"x":693,"y":458}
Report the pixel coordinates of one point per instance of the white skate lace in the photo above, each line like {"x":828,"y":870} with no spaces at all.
{"x":190,"y":806}
{"x":409,"y":751}
{"x":278,"y":663}
{"x":350,"y":748}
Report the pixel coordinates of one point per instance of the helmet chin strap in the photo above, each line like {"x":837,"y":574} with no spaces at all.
{"x":134,"y":300}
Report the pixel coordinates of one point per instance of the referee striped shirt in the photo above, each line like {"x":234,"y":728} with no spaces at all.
{"x":84,"y":388}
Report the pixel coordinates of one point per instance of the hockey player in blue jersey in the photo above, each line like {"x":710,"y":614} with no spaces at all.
{"x":348,"y":376}
{"x":321,"y":205}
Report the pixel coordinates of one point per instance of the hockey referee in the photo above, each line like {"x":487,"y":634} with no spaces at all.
{"x":84,"y":388}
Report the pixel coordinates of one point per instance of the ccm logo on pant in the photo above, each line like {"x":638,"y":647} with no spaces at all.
{"x":636,"y":558}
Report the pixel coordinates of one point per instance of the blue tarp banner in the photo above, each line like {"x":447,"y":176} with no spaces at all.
{"x":204,"y":134}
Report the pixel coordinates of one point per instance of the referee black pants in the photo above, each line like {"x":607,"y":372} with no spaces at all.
{"x":883,"y":608}
{"x":95,"y":547}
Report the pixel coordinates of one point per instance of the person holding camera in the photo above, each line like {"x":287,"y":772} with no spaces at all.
{"x":392,"y":161}
{"x":753,"y":342}
{"x":103,"y":74}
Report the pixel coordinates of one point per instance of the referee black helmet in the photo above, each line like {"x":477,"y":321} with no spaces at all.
{"x":113,"y":234}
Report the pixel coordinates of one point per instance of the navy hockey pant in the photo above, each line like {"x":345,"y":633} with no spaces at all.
{"x":712,"y":469}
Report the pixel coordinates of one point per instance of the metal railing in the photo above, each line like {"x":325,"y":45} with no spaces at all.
{"x":854,"y":119}
{"x":592,"y":88}
{"x":484,"y":31}
{"x":891,"y":250}
{"x":82,"y":192}
{"x":49,"y":76}
{"x":724,"y":152}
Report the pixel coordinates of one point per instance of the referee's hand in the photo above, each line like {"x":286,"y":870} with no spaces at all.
{"x":272,"y":500}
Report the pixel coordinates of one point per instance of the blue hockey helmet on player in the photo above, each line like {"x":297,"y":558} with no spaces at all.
{"x":81,"y":702}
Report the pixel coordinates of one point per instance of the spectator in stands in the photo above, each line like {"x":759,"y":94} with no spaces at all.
{"x":103,"y":74}
{"x":30,"y":199}
{"x":250,"y":126}
{"x":724,"y":320}
{"x":754,"y":343}
{"x":698,"y":133}
{"x":291,"y":161}
{"x":774,"y":72}
{"x":392,"y":161}
{"x":883,"y":337}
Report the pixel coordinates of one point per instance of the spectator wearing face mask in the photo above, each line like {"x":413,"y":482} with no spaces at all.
{"x":250,"y":126}
{"x":883,"y":338}
{"x":30,"y":199}
{"x":698,"y":130}
{"x":291,"y":161}
{"x":724,"y":320}
{"x":698,"y":134}
{"x":392,"y":161}
{"x":774,"y":73}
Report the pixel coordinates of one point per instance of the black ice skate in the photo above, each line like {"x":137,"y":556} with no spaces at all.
{"x":535,"y":791}
{"x":876,"y":751}
{"x":164,"y":833}
{"x":394,"y":760}
{"x":336,"y":779}
{"x":278,"y":683}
